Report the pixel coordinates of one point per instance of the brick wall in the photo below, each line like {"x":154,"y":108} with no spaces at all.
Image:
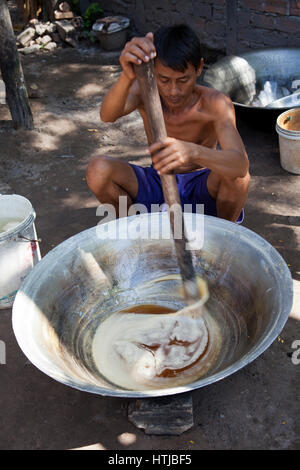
{"x":225,"y":26}
{"x":267,"y":23}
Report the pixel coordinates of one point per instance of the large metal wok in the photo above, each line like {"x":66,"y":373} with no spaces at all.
{"x":63,"y":299}
{"x":242,"y":76}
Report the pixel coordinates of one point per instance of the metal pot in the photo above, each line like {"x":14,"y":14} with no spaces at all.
{"x":243,"y":75}
{"x":96,"y":272}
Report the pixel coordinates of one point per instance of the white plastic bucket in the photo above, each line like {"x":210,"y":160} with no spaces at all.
{"x":288,"y":130}
{"x":19,"y":247}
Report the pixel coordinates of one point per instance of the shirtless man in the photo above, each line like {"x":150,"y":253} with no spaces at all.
{"x":197,"y":119}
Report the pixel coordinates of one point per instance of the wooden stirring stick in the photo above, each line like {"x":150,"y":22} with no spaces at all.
{"x":151,"y":99}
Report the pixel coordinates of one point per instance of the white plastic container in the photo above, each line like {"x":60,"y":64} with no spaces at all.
{"x":288,"y":130}
{"x":19,"y":247}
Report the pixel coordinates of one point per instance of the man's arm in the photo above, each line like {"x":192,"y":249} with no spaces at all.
{"x":124,"y":97}
{"x":230,"y":162}
{"x":120,"y":100}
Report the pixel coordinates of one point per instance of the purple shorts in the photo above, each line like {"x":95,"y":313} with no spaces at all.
{"x":192,"y":189}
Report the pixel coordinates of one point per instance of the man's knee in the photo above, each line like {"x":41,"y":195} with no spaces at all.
{"x":243,"y":186}
{"x":245,"y":181}
{"x":98,"y":172}
{"x":231,"y":187}
{"x":235,"y":185}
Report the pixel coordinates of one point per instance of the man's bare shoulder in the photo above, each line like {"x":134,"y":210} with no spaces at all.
{"x":213,"y":100}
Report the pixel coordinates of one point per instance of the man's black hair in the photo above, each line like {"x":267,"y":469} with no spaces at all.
{"x":177,"y":46}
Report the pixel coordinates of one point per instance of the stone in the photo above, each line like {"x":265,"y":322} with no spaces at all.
{"x":33,"y":91}
{"x":64,"y":6}
{"x":26,"y":35}
{"x":56,"y":37}
{"x":40,"y":29}
{"x":64,"y":28}
{"x":30,"y":49}
{"x":51,"y":28}
{"x":171,"y":415}
{"x":46,"y":39}
{"x":51,"y":46}
{"x":71,"y":41}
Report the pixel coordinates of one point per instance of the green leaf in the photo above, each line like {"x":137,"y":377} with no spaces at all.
{"x":91,"y":14}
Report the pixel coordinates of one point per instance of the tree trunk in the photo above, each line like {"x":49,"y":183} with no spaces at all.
{"x":21,"y":12}
{"x":12,"y":73}
{"x":49,"y":5}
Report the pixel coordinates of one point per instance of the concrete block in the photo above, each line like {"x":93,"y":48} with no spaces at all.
{"x":64,"y":28}
{"x":40,"y":28}
{"x":26,"y":36}
{"x":30,"y":49}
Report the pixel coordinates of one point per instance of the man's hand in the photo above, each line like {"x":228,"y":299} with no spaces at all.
{"x":173,"y":155}
{"x":136,"y":51}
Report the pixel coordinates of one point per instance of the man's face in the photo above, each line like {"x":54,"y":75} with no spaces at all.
{"x":176,"y":88}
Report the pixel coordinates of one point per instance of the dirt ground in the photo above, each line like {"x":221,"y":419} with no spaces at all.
{"x":257,"y":407}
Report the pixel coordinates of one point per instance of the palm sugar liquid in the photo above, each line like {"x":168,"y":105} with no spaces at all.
{"x":146,"y":347}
